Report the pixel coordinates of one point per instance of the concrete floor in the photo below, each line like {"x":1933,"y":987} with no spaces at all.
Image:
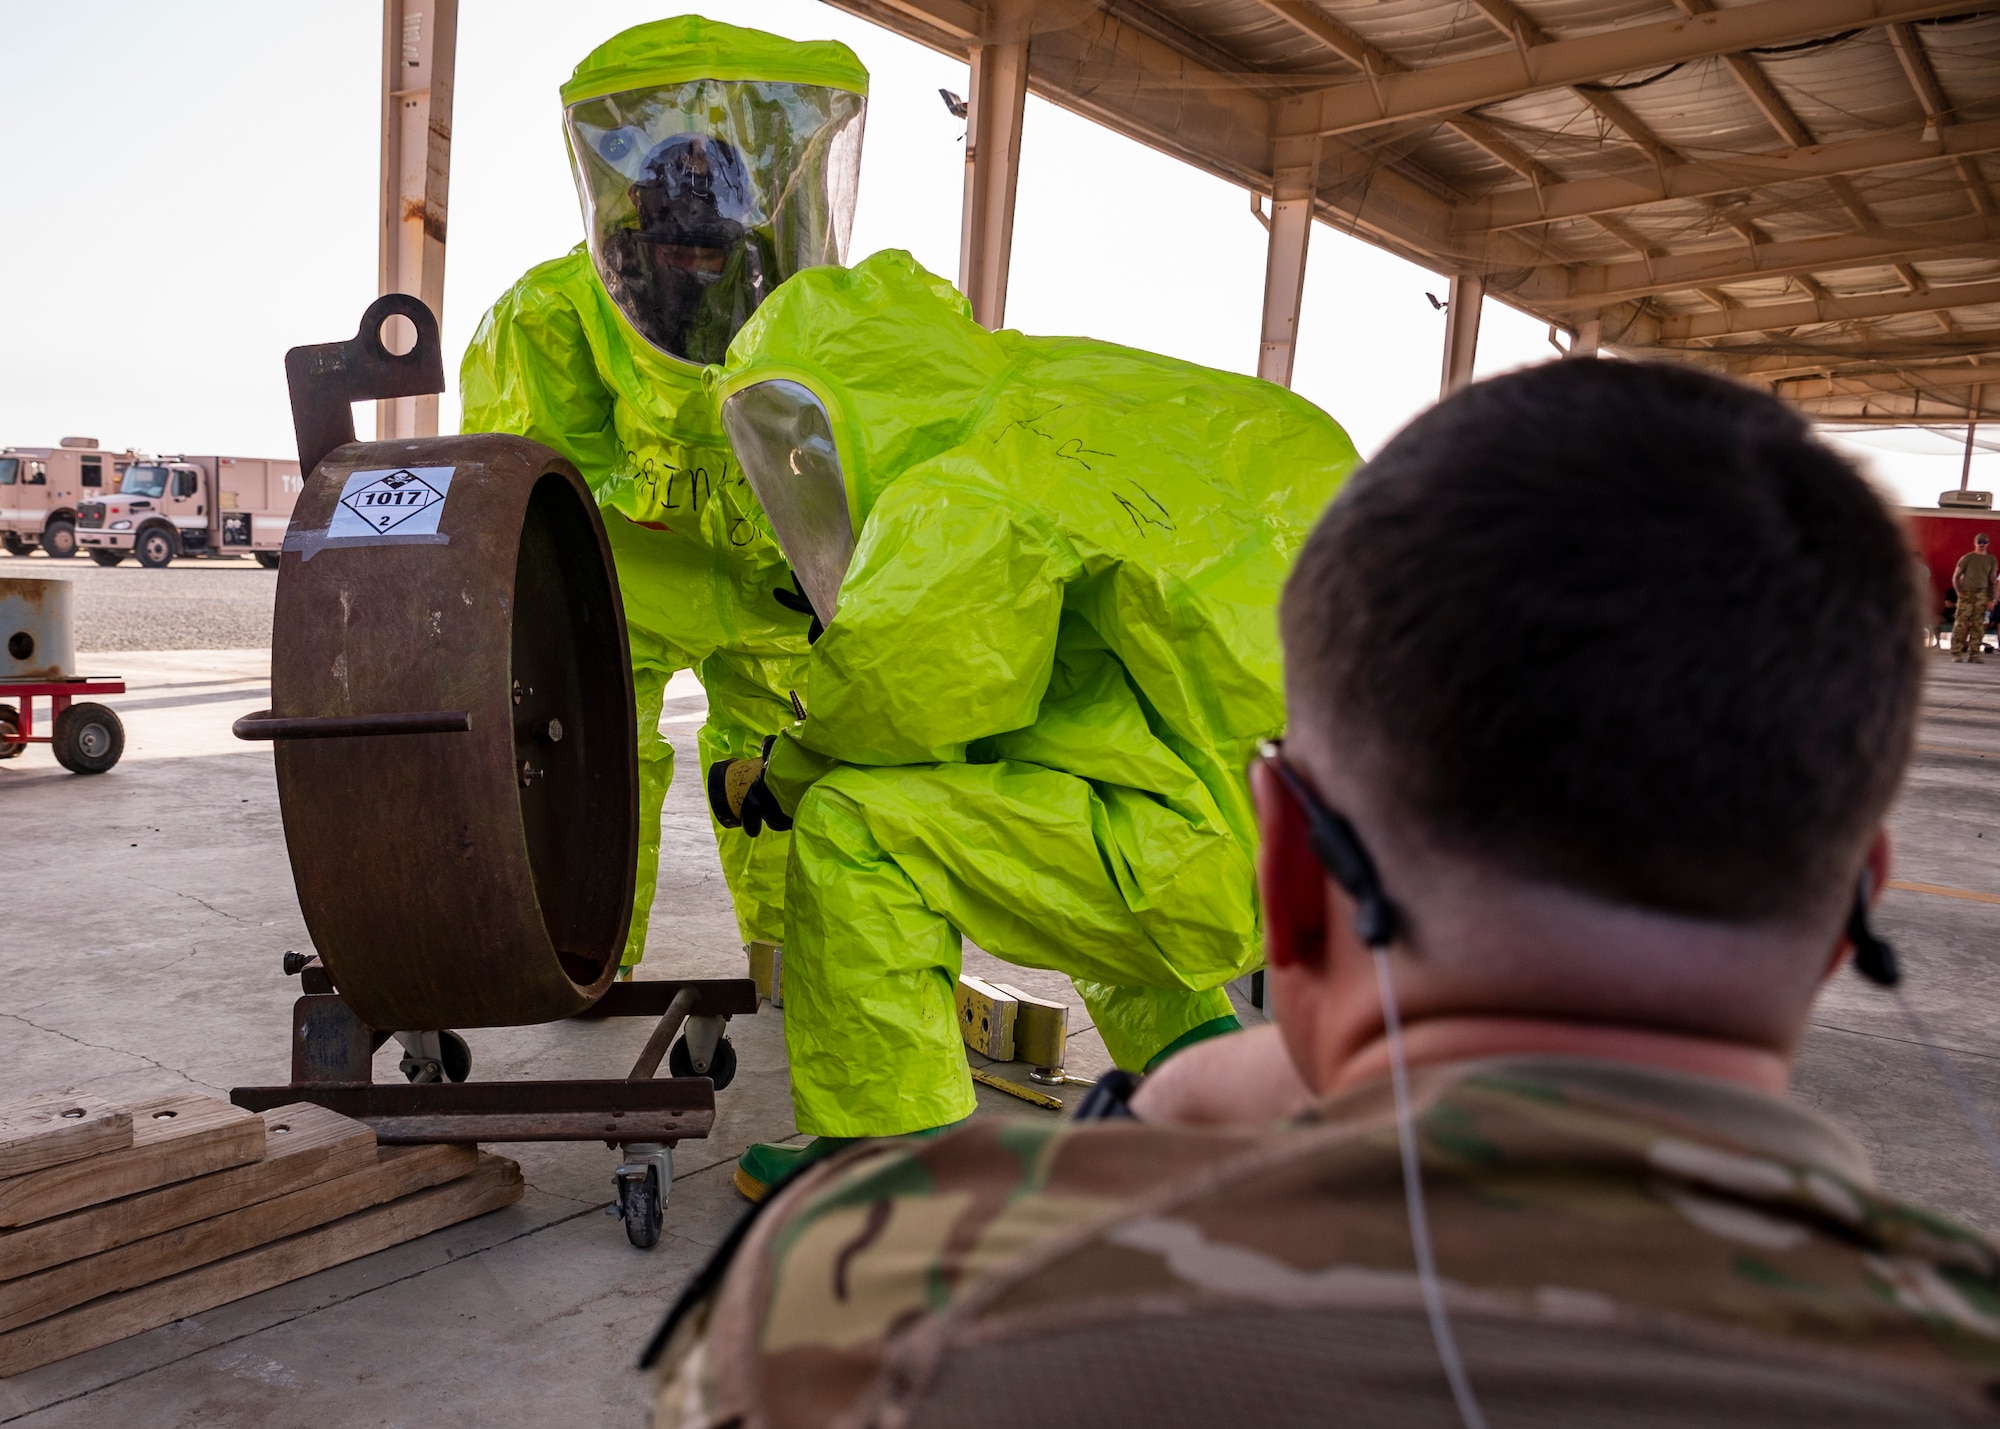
{"x":208,"y":604}
{"x":147,"y":910}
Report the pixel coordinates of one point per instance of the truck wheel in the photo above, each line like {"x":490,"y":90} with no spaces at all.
{"x":88,"y":738}
{"x":268,"y":560}
{"x":14,"y":545}
{"x":155,"y":547}
{"x":10,"y":725}
{"x":59,"y":539}
{"x":104,"y":557}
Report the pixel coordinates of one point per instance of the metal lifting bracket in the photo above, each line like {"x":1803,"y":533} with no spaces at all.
{"x":327,"y":378}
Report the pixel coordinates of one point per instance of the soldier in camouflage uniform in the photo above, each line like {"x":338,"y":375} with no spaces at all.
{"x":1972,"y":581}
{"x":1605,"y":917}
{"x":1609,"y":1236}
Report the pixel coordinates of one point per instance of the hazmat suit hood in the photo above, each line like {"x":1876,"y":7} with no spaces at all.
{"x":819,"y":448}
{"x":712,"y":163}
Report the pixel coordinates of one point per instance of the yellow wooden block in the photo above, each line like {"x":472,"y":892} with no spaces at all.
{"x":1041,"y":1029}
{"x":986,"y":1018}
{"x":767,"y":970}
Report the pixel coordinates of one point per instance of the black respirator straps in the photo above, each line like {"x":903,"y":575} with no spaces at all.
{"x":1874,"y":958}
{"x":1340,"y":850}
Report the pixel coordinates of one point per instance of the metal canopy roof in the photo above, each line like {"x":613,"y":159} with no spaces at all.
{"x":1797,"y":192}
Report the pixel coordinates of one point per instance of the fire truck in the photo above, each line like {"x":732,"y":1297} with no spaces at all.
{"x":41,"y":488}
{"x":80,"y":497}
{"x":191,"y":506}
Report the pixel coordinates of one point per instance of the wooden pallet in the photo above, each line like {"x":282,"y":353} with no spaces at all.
{"x":48,"y":1131}
{"x":121,"y":1219}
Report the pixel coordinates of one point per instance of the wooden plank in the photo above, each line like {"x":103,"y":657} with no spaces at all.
{"x":308,"y":1144}
{"x":172,"y":1138}
{"x":663,"y":1109}
{"x":49,"y":1130}
{"x":493,"y":1183}
{"x":398,"y":1171}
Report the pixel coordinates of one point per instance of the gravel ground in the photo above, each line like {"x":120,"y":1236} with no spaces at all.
{"x":189,"y":605}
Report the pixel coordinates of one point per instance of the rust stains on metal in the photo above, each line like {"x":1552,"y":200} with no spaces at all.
{"x":416,"y":210}
{"x":439,"y":891}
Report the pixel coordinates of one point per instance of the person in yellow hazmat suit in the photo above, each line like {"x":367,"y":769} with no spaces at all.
{"x":712,"y":163}
{"x":1048,"y":571}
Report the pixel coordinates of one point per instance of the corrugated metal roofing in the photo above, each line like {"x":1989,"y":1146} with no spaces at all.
{"x":1804,"y":202}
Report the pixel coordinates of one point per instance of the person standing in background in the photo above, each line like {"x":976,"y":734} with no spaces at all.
{"x":1973,"y":581}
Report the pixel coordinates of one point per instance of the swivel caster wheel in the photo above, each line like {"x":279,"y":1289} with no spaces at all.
{"x":721,"y":1068}
{"x":639,"y":1204}
{"x":643,"y":1182}
{"x":434,"y":1057}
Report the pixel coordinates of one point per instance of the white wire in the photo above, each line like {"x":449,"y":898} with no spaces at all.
{"x":1413,"y":1199}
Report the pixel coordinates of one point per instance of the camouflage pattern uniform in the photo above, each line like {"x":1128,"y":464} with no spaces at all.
{"x":1973,"y":581}
{"x":1618,"y":1246}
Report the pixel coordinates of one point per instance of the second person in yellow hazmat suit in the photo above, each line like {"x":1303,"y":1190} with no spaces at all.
{"x":712,"y":163}
{"x":1049,"y":571}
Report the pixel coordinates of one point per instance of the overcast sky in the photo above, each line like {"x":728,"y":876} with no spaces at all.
{"x":188,"y":189}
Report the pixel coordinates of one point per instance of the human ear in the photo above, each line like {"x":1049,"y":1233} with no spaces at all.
{"x":1876,"y":866}
{"x":1290,"y":881}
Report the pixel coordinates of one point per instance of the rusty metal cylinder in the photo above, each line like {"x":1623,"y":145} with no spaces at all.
{"x":35,"y":629}
{"x":472,"y":872}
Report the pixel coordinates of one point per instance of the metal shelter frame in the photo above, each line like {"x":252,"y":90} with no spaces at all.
{"x":1799,"y":193}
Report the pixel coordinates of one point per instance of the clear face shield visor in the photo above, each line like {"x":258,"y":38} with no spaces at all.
{"x":784,"y":443}
{"x":700,"y":198}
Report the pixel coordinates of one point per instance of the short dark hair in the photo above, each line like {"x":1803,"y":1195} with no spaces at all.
{"x":1624,"y":627}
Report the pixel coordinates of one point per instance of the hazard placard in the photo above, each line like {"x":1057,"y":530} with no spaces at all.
{"x":392,"y":501}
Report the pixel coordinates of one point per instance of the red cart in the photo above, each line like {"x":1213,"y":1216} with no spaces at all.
{"x":87,"y":737}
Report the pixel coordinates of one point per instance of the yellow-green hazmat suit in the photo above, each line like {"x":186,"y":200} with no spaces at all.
{"x":1051,"y":650}
{"x":712,"y":162}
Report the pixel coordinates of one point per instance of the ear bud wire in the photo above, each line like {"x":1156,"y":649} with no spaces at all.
{"x":1413,"y":1203}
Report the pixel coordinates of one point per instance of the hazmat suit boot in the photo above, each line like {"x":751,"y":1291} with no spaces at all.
{"x":1048,"y":571}
{"x":711,"y":162}
{"x":767,"y":1165}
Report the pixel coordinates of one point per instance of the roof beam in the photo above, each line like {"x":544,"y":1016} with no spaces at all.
{"x":1122,"y":75}
{"x":1520,"y":27}
{"x":953,"y":22}
{"x":1519,"y":208}
{"x":1892,"y":409}
{"x":1518,"y":70}
{"x":1939,"y":117}
{"x":1316,"y":24}
{"x":1770,"y":317}
{"x":1565,"y":288}
{"x":1859,"y":359}
{"x":1904,"y":381}
{"x":1935,"y":382}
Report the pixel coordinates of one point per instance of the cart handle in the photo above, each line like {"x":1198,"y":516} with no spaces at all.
{"x":263,"y":724}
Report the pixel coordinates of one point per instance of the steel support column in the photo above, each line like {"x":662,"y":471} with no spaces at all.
{"x":419,"y":42}
{"x":1294,"y":184}
{"x":1461,"y":330}
{"x":999,"y":93}
{"x":1589,"y":337}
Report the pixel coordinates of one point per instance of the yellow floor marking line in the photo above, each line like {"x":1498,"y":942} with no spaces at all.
{"x":1941,"y":891}
{"x":1029,"y":1094}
